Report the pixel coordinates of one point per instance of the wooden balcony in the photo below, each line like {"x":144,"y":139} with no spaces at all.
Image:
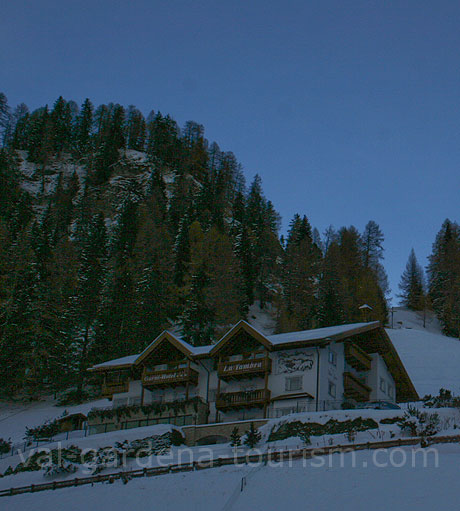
{"x":109,"y":389}
{"x":170,"y":377}
{"x":357,"y":358}
{"x":354,"y":388}
{"x":235,"y":400}
{"x":244,"y":368}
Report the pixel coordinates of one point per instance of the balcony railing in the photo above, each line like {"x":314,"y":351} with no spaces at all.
{"x":170,"y":377}
{"x":355,"y":388}
{"x":244,"y":368}
{"x":108,"y":389}
{"x":248,"y":399}
{"x":357,"y":358}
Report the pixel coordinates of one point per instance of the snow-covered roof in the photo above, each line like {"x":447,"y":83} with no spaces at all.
{"x":195,"y":350}
{"x":123,"y":361}
{"x":318,"y":333}
{"x":275,"y":340}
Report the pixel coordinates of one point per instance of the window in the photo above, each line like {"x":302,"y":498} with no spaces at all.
{"x":382,"y":384}
{"x":390,"y":391}
{"x":331,"y":389}
{"x":293,"y":383}
{"x":332,"y":357}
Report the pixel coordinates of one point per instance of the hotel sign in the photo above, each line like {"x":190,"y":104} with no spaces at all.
{"x":165,"y":377}
{"x":250,"y":365}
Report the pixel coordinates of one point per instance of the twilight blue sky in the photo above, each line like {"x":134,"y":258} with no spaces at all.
{"x":349,"y":110}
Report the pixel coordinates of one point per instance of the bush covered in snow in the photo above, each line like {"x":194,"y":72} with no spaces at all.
{"x":445,"y":399}
{"x":47,"y":430}
{"x":308,"y":429}
{"x":5,"y":446}
{"x":419,"y":423}
{"x":61,"y":461}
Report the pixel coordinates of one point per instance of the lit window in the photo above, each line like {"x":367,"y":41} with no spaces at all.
{"x":331,"y":389}
{"x":332,"y":357}
{"x":382,"y":384}
{"x":293,"y":383}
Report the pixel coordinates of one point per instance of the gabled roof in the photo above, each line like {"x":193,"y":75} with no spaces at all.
{"x":118,"y":363}
{"x":331,"y":333}
{"x":380,"y":343}
{"x":184,"y":347}
{"x":240,"y":326}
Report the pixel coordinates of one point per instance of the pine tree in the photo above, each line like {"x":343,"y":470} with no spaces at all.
{"x":412,"y":284}
{"x":372,"y":242}
{"x":5,"y":118}
{"x":444,"y":278}
{"x":83,"y":128}
{"x":235,"y":438}
{"x":253,"y":436}
{"x":301,"y":265}
{"x":61,"y":126}
{"x":86,"y":303}
{"x":331,"y":296}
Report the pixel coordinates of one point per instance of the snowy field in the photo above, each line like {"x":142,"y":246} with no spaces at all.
{"x":355,"y":483}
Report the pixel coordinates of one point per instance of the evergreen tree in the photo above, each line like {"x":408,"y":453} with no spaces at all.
{"x":5,"y":118}
{"x":235,"y":438}
{"x":253,"y":436}
{"x":61,"y":126}
{"x":444,"y":278}
{"x":83,"y":128}
{"x":331,"y":296}
{"x":86,"y":303}
{"x":301,"y":265}
{"x":412,"y":284}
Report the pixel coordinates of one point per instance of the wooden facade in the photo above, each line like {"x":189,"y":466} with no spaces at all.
{"x":357,"y":358}
{"x":236,"y":400}
{"x":247,"y":368}
{"x":180,"y":376}
{"x":354,"y":388}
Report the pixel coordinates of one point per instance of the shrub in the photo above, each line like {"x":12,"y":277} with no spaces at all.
{"x":46,"y":430}
{"x":305,"y":437}
{"x":332,"y":427}
{"x":176,"y":437}
{"x":5,"y":446}
{"x":445,"y":399}
{"x":419,"y":423}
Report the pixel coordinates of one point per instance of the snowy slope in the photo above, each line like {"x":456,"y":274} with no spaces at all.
{"x":355,"y":484}
{"x":15,"y":417}
{"x":431,"y":359}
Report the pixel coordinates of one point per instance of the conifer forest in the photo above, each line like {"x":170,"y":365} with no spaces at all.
{"x":115,"y":226}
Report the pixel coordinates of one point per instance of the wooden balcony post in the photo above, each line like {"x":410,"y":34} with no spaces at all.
{"x":218,"y":389}
{"x":186,"y":385}
{"x":266,"y":383}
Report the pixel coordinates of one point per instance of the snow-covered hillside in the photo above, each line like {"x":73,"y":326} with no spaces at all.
{"x":354,"y":484}
{"x":431,"y":359}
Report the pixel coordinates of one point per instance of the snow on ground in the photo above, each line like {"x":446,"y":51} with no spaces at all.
{"x":14,"y":417}
{"x":262,"y":320}
{"x":407,"y":319}
{"x":183,"y":454}
{"x":431,"y":359}
{"x":353,"y":482}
